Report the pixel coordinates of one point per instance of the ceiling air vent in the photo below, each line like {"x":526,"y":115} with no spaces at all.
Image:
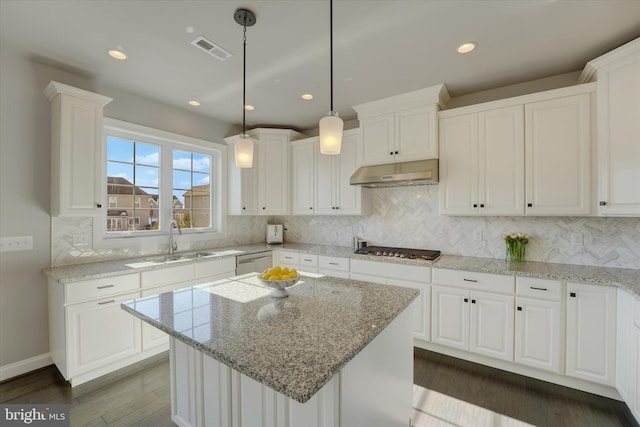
{"x":211,"y":48}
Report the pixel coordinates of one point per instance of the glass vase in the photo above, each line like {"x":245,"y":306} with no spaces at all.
{"x":515,"y":251}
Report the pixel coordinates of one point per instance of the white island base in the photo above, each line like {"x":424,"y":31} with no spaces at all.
{"x":374,"y":389}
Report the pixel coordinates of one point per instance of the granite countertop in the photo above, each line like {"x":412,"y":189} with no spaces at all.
{"x":625,"y":278}
{"x":293,"y":345}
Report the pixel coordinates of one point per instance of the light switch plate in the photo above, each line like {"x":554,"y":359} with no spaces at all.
{"x":16,"y":243}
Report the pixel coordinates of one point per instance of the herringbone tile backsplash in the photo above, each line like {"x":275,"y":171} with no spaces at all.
{"x":407,"y":217}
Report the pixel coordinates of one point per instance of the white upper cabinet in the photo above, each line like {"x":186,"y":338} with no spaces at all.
{"x":264,"y":188}
{"x":303,"y":159}
{"x":558,"y":156}
{"x":76,"y":150}
{"x":525,"y":155}
{"x":333,"y":193}
{"x":401,"y":128}
{"x":618,"y":129}
{"x":481,"y":158}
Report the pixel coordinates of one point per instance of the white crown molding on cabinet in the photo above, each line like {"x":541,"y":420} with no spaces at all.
{"x":431,"y":95}
{"x":54,"y":88}
{"x":590,"y":71}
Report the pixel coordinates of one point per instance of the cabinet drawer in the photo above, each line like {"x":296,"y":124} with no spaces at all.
{"x":333,"y":263}
{"x":636,"y":313}
{"x":476,"y":281}
{"x":216,"y":267}
{"x":309,"y":260}
{"x":286,"y":257}
{"x":99,"y":288}
{"x":416,"y":273}
{"x":163,"y":276}
{"x":538,"y":288}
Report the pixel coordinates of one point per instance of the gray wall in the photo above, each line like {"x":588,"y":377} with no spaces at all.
{"x":24,"y":185}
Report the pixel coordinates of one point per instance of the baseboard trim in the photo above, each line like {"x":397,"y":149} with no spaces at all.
{"x":24,"y":366}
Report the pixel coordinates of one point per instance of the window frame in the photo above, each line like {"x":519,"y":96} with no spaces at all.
{"x":167,"y":141}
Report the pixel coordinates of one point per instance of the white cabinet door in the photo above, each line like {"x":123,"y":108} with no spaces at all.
{"x":416,"y":134}
{"x":636,"y":402}
{"x":450,"y":317}
{"x":618,"y":103}
{"x":100,"y":332}
{"x":348,"y":197}
{"x":249,"y":187}
{"x":591,"y":338}
{"x":537,"y":334}
{"x":325,"y":188}
{"x":501,"y":161}
{"x":459,"y":165}
{"x":76,"y":138}
{"x":303,"y":179}
{"x":242,"y":185}
{"x":273,"y":175}
{"x":491,"y":324}
{"x":626,"y":347}
{"x":421,"y":308}
{"x":558,"y":156}
{"x":378,"y":139}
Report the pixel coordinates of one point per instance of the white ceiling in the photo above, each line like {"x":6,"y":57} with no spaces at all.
{"x":381,"y":48}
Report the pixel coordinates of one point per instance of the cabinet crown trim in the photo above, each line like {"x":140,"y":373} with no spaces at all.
{"x":591,"y":69}
{"x":433,"y":95}
{"x":54,"y":89}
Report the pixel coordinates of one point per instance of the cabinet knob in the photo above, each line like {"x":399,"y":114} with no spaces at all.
{"x":391,"y":153}
{"x":572,"y":294}
{"x":337,"y":207}
{"x":603,"y":203}
{"x":396,"y":152}
{"x":466,"y":300}
{"x":529,"y":205}
{"x":473,"y":301}
{"x":100,"y":204}
{"x":519,"y":308}
{"x":263,"y":208}
{"x":475,"y":205}
{"x":482,"y":205}
{"x":244,"y":208}
{"x":311,"y":207}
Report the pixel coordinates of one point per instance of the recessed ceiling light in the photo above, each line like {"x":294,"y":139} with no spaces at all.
{"x":116,"y":54}
{"x":307,"y":96}
{"x":467,"y":47}
{"x":249,"y":107}
{"x":194,"y":103}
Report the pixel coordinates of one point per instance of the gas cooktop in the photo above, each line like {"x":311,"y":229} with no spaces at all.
{"x":399,"y":252}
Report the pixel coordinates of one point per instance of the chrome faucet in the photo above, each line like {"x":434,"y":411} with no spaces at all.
{"x":173,"y":246}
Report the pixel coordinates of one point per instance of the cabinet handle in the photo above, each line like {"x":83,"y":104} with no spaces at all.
{"x":396,"y":152}
{"x":305,"y":259}
{"x":334,"y":263}
{"x":244,"y":208}
{"x":263,"y":208}
{"x":311,"y":207}
{"x":391,"y":153}
{"x":337,"y":207}
{"x":106,"y":302}
{"x":519,"y":308}
{"x":105,"y":286}
{"x":529,"y":205}
{"x":482,"y":205}
{"x":603,"y":203}
{"x":99,"y":205}
{"x":466,"y":300}
{"x":572,"y":294}
{"x":473,"y":301}
{"x":289,"y":257}
{"x":475,"y":205}
{"x":470,"y":280}
{"x":538,"y":289}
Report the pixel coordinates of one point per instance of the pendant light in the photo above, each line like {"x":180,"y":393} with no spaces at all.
{"x":331,"y":125}
{"x":244,"y":145}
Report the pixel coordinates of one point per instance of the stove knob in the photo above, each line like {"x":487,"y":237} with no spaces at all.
{"x":378,"y":253}
{"x":403,"y":255}
{"x":385,"y":253}
{"x":398,"y":254}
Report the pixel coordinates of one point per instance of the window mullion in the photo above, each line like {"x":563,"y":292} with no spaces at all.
{"x":166,"y":185}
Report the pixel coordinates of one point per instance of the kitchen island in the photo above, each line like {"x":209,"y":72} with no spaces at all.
{"x":336,"y":352}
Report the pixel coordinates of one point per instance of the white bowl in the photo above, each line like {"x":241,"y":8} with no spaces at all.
{"x":279,"y":286}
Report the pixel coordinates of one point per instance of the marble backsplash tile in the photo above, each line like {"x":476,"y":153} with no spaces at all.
{"x":406,"y":217}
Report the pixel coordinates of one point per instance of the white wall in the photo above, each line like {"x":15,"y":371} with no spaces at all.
{"x":24,"y":186}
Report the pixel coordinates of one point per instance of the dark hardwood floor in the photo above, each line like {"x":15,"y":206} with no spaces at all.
{"x":447,"y":392}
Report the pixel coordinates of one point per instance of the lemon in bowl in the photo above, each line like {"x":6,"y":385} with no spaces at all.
{"x":279,"y":278}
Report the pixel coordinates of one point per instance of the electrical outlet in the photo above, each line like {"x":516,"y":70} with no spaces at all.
{"x":81,"y":239}
{"x":576,"y":239}
{"x":17,"y":243}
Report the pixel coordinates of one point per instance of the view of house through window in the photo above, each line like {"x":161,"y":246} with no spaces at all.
{"x":135,"y":181}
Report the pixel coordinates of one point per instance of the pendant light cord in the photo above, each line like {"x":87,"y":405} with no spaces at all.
{"x":331,"y":47}
{"x":244,"y":76}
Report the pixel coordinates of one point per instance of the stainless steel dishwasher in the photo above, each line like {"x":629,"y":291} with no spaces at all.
{"x":257,"y":262}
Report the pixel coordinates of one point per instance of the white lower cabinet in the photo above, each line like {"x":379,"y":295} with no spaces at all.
{"x":100,"y":333}
{"x":333,"y":266}
{"x":591,"y":332}
{"x":473,"y":312}
{"x":626,"y":348}
{"x":539,"y":337}
{"x":409,"y":276}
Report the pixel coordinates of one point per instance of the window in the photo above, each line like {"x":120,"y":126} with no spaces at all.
{"x":154,"y":177}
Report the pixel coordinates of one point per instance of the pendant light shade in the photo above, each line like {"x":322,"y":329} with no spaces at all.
{"x":243,"y":147}
{"x":331,"y":125}
{"x":331,"y":134}
{"x":244,"y":151}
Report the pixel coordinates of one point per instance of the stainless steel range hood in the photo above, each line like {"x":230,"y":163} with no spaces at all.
{"x":420,"y":172}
